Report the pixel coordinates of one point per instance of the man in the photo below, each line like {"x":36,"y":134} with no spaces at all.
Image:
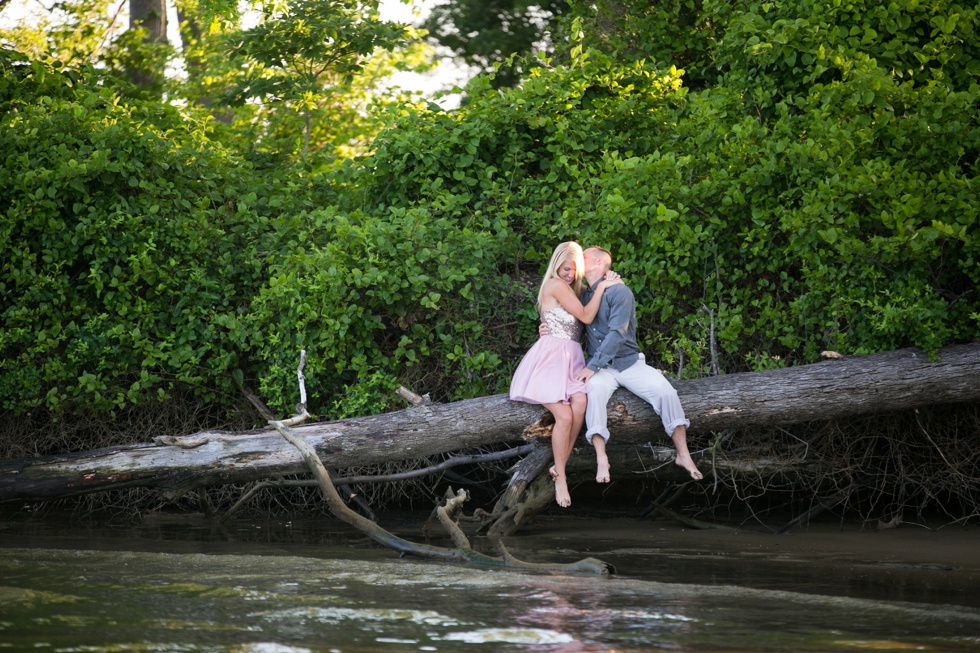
{"x":614,"y":360}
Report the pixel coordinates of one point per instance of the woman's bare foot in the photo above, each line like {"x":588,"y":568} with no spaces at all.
{"x":688,"y":464}
{"x":561,"y":492}
{"x":602,"y":470}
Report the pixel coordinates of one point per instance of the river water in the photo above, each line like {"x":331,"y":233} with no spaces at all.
{"x":284,"y":586}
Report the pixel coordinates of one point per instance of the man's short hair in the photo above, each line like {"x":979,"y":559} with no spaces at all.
{"x":605,"y":251}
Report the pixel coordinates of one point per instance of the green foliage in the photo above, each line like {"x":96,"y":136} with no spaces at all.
{"x":75,"y":38}
{"x":518,"y":154}
{"x":372,"y":395}
{"x":678,"y":33}
{"x":288,"y":52}
{"x":781,"y":49}
{"x":817,"y":189}
{"x":822,"y":196}
{"x":296,"y":85}
{"x":124,"y":267}
{"x":404,"y":293}
{"x":295,"y":57}
{"x":495,"y":36}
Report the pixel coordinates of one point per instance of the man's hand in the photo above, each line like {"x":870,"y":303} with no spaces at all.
{"x":584,"y":375}
{"x":543,"y":329}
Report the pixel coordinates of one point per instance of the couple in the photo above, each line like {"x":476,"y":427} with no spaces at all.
{"x":554,"y":374}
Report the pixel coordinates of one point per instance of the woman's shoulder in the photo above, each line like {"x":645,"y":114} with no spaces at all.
{"x":553,"y":285}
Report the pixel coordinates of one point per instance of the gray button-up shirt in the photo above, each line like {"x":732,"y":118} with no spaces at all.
{"x":611,"y":338}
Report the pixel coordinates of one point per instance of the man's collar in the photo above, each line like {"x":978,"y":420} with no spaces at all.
{"x":591,"y":286}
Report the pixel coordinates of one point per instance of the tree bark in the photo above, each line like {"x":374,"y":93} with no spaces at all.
{"x":150,"y":15}
{"x":834,"y":389}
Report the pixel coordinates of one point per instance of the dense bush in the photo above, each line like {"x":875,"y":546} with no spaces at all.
{"x":126,"y":246}
{"x":813,"y":199}
{"x":822,"y":195}
{"x":405,"y":295}
{"x":817,"y":189}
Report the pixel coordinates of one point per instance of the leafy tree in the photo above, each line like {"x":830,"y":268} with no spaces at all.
{"x":679,"y":33}
{"x":316,"y":99}
{"x":298,"y":58}
{"x":73,"y":35}
{"x":497,"y":36}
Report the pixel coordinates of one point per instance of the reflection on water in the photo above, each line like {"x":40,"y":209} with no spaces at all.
{"x":76,"y":600}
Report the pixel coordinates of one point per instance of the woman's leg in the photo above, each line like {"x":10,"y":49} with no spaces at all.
{"x":578,"y":403}
{"x":560,"y":450}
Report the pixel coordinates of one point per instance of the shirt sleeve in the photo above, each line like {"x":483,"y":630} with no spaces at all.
{"x":620,"y":311}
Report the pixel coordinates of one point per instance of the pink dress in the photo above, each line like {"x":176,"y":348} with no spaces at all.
{"x":547,"y":372}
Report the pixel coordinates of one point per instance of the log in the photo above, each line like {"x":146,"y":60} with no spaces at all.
{"x":462,"y":551}
{"x":832,"y":389}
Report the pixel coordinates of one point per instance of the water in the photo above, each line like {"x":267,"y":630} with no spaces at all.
{"x":275,"y":588}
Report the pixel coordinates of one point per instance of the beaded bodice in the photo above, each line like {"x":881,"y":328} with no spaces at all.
{"x":562,"y":324}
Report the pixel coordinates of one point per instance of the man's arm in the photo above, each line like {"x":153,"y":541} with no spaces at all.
{"x":621,"y":304}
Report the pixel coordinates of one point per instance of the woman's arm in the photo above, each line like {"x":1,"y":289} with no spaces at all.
{"x":562,"y":293}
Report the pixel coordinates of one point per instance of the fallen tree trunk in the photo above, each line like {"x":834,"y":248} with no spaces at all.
{"x":463,"y":550}
{"x":833,"y":389}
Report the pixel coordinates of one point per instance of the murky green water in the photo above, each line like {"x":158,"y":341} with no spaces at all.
{"x":83,"y":592}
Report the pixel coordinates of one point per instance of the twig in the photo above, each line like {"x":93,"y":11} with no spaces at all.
{"x":711,"y":339}
{"x":386,"y":478}
{"x":301,"y":407}
{"x":446,"y":464}
{"x":929,"y":438}
{"x":719,"y":440}
{"x":412,"y":398}
{"x":816,"y":510}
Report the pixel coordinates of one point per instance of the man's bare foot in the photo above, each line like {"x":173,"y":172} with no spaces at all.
{"x":602,"y":470}
{"x":552,"y":473}
{"x":689,"y":465}
{"x":561,"y":493}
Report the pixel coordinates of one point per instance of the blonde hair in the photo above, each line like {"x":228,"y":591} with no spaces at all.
{"x":562,"y":253}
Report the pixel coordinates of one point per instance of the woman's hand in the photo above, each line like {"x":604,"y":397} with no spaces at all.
{"x":612,"y":279}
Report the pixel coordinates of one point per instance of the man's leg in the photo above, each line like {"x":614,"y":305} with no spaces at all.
{"x":579,"y":404}
{"x":601,"y":460}
{"x":601,"y":387}
{"x":649,"y":384}
{"x":679,"y":436}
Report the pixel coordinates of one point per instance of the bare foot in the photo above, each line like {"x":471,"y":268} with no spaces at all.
{"x":553,"y":473}
{"x":561,"y":493}
{"x":689,"y":465}
{"x":602,"y":470}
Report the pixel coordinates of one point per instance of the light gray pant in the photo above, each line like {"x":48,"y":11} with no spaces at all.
{"x":643,"y":381}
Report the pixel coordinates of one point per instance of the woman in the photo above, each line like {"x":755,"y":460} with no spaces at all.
{"x":546,"y":375}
